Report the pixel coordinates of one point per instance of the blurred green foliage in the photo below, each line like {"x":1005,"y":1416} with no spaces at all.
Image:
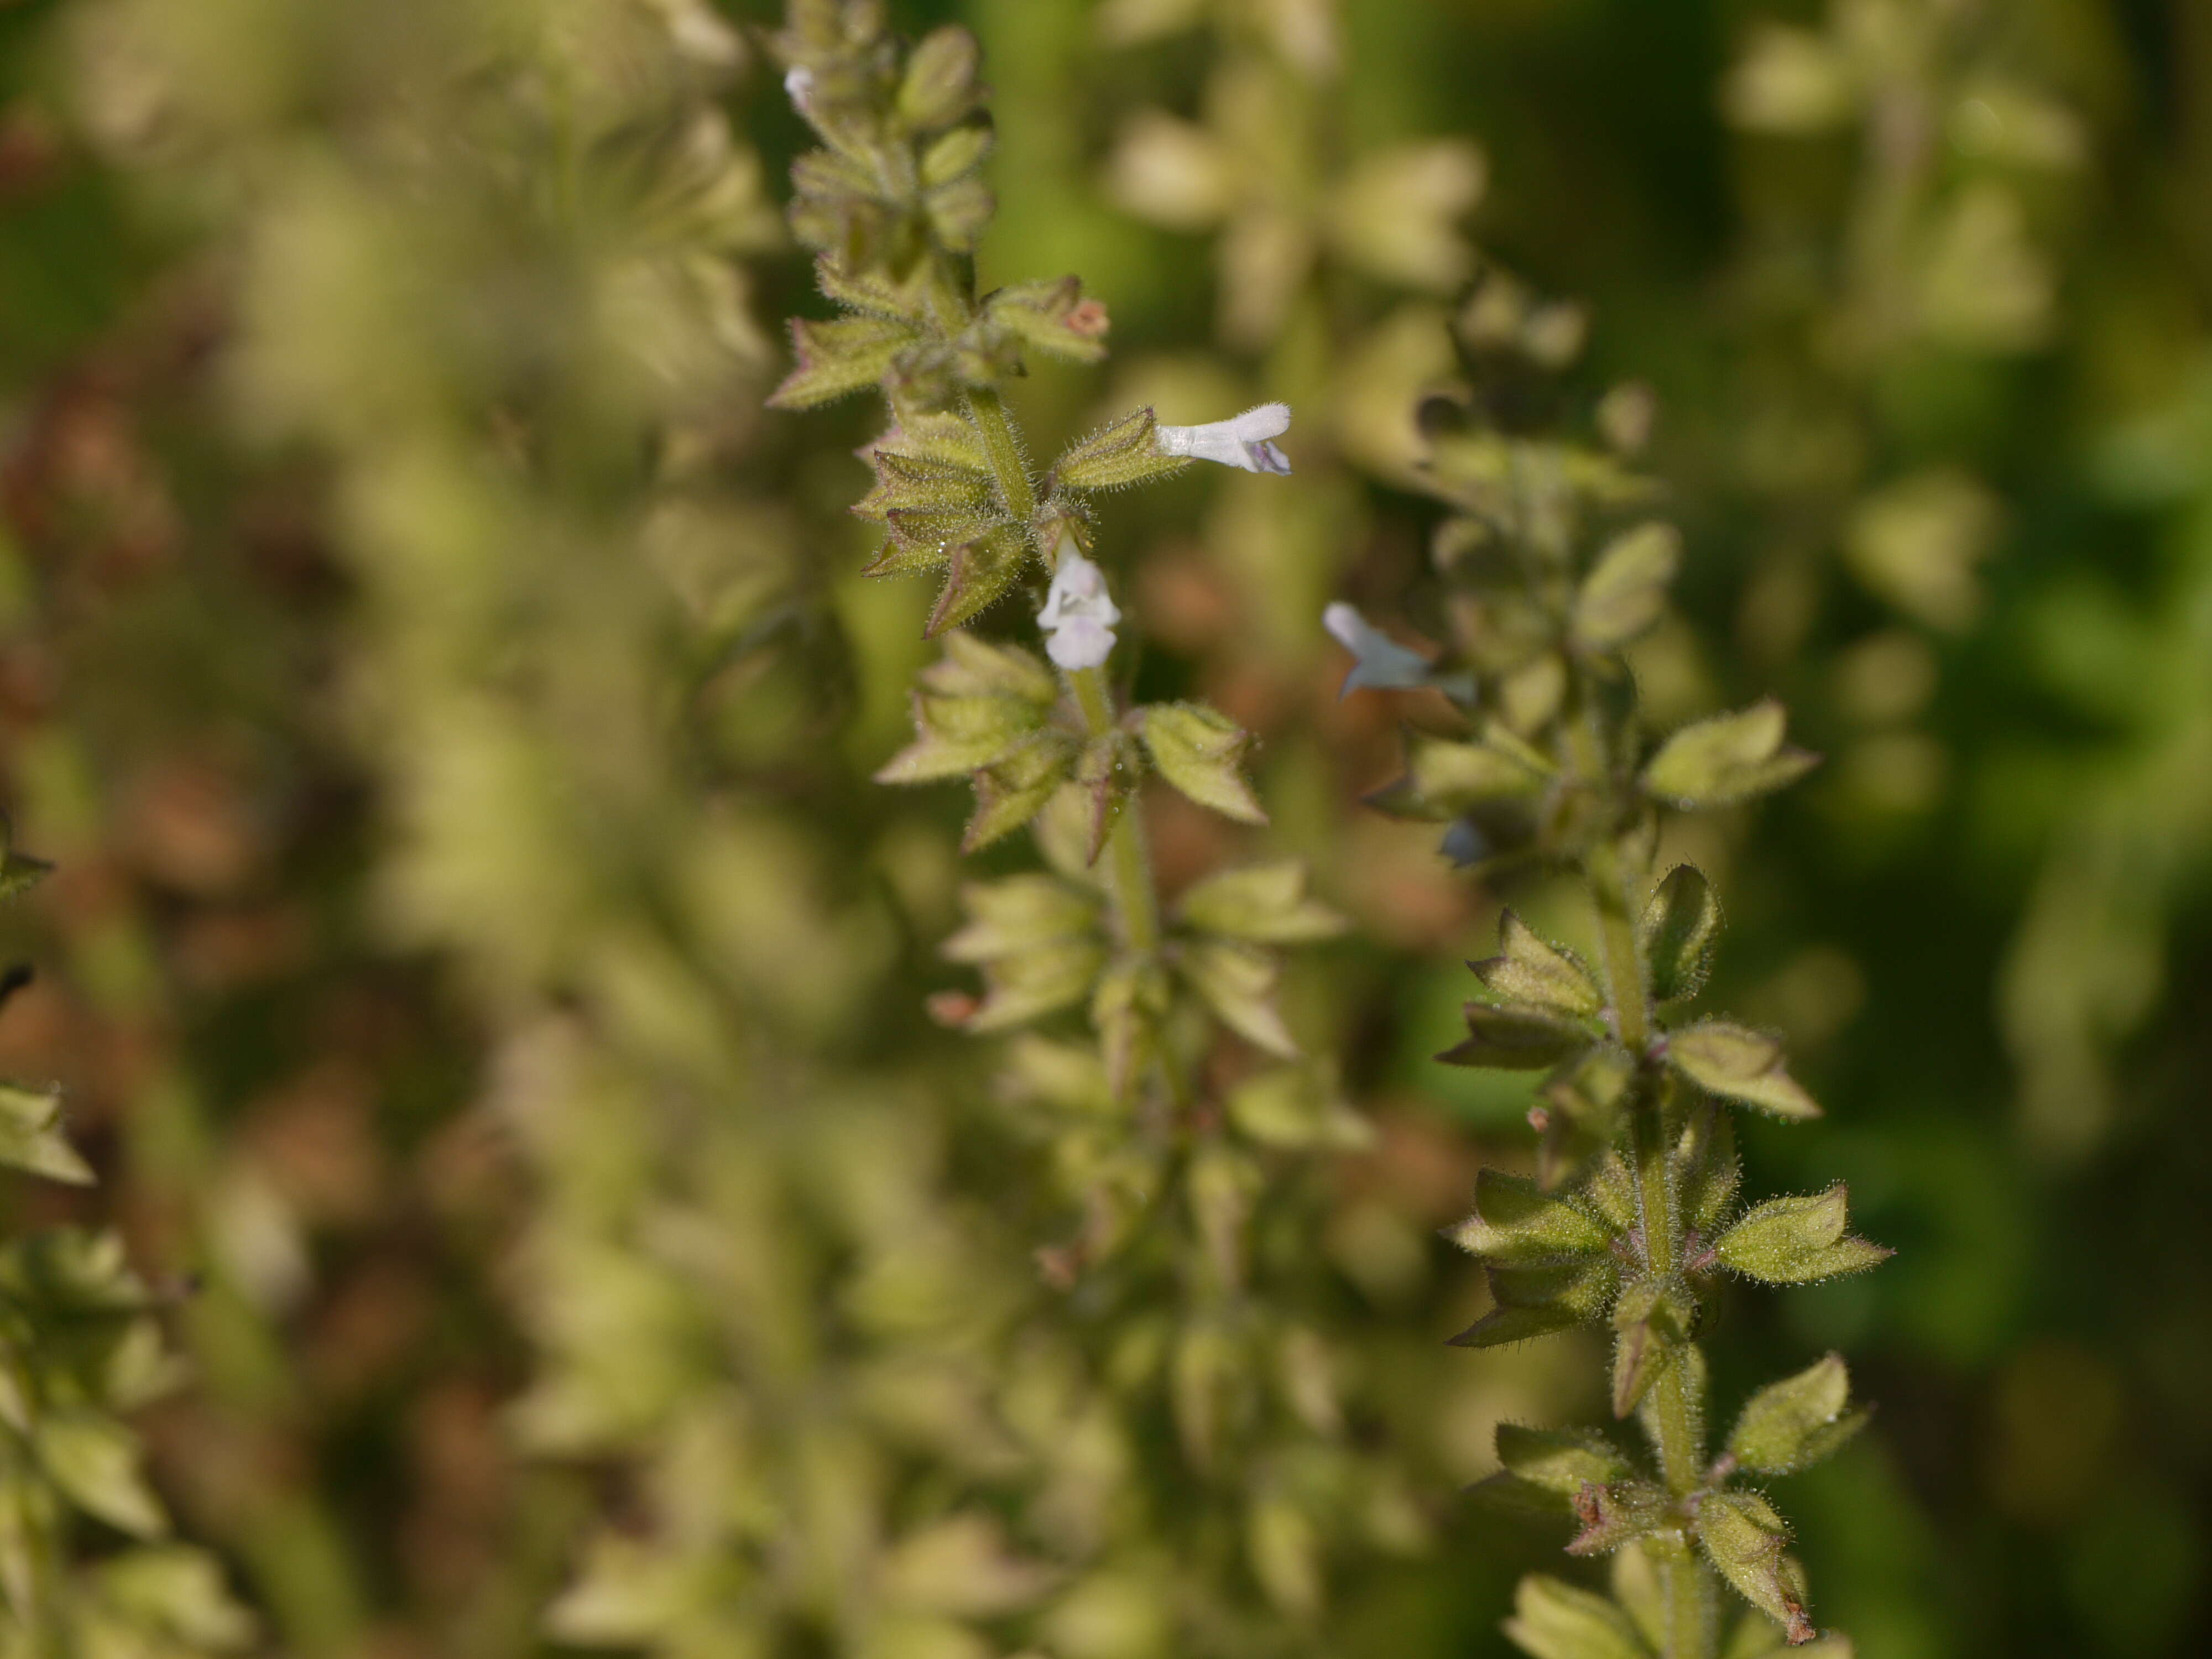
{"x":479,"y":966}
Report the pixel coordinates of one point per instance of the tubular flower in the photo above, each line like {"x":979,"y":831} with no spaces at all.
{"x":1241,"y":441}
{"x":1078,"y":614}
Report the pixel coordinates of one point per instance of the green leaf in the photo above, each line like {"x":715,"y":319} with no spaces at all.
{"x":1793,"y":1424}
{"x":1555,"y":1620}
{"x":1014,"y":791}
{"x":1124,"y":452}
{"x":1516,"y":1221}
{"x":1679,"y":931}
{"x":1263,"y":903}
{"x":977,"y":577}
{"x":1237,"y":982}
{"x":1625,"y":591}
{"x":31,"y":1141}
{"x":1559,"y":1460}
{"x":1537,"y":1301}
{"x":959,"y":152}
{"x":1651,"y":1321}
{"x":838,"y":357}
{"x":1740,"y":1064}
{"x":1639,"y":1588}
{"x":95,"y":1460}
{"x":940,"y":85}
{"x":980,"y":706}
{"x":178,"y":1592}
{"x":1197,"y":751}
{"x":1037,"y":938}
{"x":1107,"y":774}
{"x":1028,"y":986}
{"x":1446,"y":779}
{"x":1020,"y":914}
{"x":1793,"y":1241}
{"x":1730,"y":758}
{"x":958,"y":210}
{"x":1746,"y":1542}
{"x":936,"y":478}
{"x":1706,"y":1172}
{"x":1295,"y":1107}
{"x":1528,"y":970}
{"x":928,"y":537}
{"x":871,"y":293}
{"x":1517,"y":1038}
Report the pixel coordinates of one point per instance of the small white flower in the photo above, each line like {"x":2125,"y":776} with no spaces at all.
{"x":1380,"y":662}
{"x":1241,"y":441}
{"x":799,"y":86}
{"x":1078,"y":614}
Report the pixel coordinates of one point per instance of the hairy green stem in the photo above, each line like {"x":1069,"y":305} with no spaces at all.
{"x":1675,"y":1406}
{"x":1007,"y":465}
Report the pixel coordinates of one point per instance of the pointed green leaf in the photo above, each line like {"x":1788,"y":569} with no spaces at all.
{"x":1528,"y":970}
{"x":1792,"y":1424}
{"x":1011,"y":793}
{"x":1555,"y":1620}
{"x":95,"y":1460}
{"x":1747,"y":1542}
{"x":1706,"y":1172}
{"x":1516,"y":1221}
{"x":1237,"y":982}
{"x":979,"y":575}
{"x":1732,"y":757}
{"x":1537,"y":1301}
{"x":941,"y":84}
{"x":31,"y":1139}
{"x":1020,"y":914}
{"x":1738,"y":1063}
{"x":1518,"y":1038}
{"x":1793,"y":1241}
{"x":1625,"y":591}
{"x":1560,"y":1461}
{"x":1263,"y":903}
{"x":1679,"y":929}
{"x":845,"y":355}
{"x":1197,"y":750}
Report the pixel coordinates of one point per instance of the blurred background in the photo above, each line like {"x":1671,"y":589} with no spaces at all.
{"x":490,"y":988}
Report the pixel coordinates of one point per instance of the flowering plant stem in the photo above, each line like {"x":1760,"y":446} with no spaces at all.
{"x":1678,"y":1405}
{"x":1130,"y":886}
